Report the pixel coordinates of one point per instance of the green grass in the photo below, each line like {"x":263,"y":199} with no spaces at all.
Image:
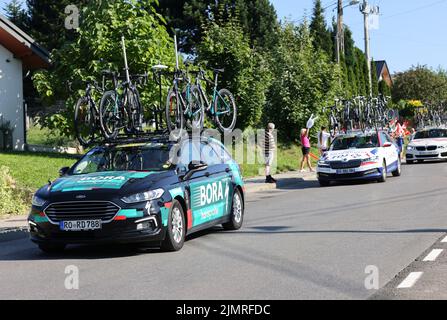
{"x":45,"y":137}
{"x":32,"y":170}
{"x":288,"y":159}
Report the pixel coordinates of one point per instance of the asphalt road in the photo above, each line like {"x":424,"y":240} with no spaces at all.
{"x":300,"y":242}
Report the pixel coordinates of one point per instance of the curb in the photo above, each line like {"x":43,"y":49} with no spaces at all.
{"x":254,"y":185}
{"x":12,"y":234}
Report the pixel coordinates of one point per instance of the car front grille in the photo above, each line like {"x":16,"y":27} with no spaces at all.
{"x":429,"y":148}
{"x":98,"y":210}
{"x":427,"y":156}
{"x":346,"y":165}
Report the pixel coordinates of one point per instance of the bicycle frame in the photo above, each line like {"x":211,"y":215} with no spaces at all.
{"x":210,"y":104}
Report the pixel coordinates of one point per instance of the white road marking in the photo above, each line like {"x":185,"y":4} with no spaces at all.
{"x":445,"y":240}
{"x":433,"y":255}
{"x":410,"y":280}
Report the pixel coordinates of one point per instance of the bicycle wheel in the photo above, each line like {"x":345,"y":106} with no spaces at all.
{"x":174,"y":114}
{"x":225,"y":111}
{"x":132,"y":108}
{"x":84,"y":121}
{"x":195,"y":121}
{"x":109,"y":117}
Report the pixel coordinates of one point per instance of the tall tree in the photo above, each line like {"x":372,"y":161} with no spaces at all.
{"x":47,"y":21}
{"x":257,"y":18}
{"x":15,"y":12}
{"x":322,"y":38}
{"x":420,"y":83}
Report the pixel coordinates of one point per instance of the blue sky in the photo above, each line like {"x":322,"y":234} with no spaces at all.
{"x":410,"y":31}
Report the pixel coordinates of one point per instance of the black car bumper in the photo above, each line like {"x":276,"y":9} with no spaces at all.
{"x":147,"y":227}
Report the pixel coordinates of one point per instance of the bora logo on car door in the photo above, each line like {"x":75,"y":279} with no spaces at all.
{"x":210,"y":199}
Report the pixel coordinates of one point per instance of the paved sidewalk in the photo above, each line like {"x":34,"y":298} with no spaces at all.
{"x":286,"y":180}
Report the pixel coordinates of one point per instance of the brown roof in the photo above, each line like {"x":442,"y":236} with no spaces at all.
{"x":22,"y":46}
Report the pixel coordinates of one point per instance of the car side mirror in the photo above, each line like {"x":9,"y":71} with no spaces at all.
{"x":388,"y":145}
{"x":63,"y":171}
{"x":193,"y":167}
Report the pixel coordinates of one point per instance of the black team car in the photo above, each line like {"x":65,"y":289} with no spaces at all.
{"x":150,"y":193}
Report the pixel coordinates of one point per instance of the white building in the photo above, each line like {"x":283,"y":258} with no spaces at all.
{"x":18,"y":54}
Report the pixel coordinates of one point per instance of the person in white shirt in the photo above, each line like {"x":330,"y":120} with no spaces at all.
{"x":324,"y":140}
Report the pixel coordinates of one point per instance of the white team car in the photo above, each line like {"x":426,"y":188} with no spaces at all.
{"x":428,"y":144}
{"x":360,"y":156}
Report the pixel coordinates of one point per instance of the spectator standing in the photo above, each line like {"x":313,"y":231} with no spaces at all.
{"x":305,"y":142}
{"x":269,"y":152}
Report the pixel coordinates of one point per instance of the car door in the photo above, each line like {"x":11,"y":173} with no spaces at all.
{"x":210,"y":192}
{"x":391,"y":153}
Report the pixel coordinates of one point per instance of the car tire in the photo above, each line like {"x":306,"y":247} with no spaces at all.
{"x":237,"y":212}
{"x":175,"y":234}
{"x":398,"y":171}
{"x":384,"y":173}
{"x":324,"y":183}
{"x":52,"y":248}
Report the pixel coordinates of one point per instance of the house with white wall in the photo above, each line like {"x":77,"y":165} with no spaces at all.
{"x":19,"y":53}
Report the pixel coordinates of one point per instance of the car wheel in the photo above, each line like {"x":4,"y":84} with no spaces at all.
{"x":175,"y":235}
{"x":384,"y":173}
{"x":52,"y":248}
{"x":324,"y":183}
{"x":237,"y":212}
{"x":398,"y":171}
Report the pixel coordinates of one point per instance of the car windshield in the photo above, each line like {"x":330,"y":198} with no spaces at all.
{"x":149,"y":157}
{"x":429,"y":134}
{"x":355,"y":142}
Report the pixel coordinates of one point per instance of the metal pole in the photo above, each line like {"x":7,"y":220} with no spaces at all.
{"x":340,"y":35}
{"x":176,"y":52}
{"x":366,"y":11}
{"x":123,"y":43}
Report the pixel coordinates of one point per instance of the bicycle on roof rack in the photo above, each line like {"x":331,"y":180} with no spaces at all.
{"x":120,"y":108}
{"x":86,"y":113}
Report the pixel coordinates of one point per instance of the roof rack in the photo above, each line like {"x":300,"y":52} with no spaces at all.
{"x":155,"y":136}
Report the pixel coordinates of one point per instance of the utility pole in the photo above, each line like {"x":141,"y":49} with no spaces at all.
{"x":340,"y":33}
{"x":366,"y":10}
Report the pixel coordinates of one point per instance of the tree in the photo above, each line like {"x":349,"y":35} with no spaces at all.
{"x":47,"y":21}
{"x":246,"y":72}
{"x":305,"y":80}
{"x":98,"y":47}
{"x":420,"y":83}
{"x":257,"y":18}
{"x":15,"y":12}
{"x":322,"y":38}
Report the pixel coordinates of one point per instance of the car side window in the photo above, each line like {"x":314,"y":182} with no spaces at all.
{"x":189,"y":152}
{"x":208,"y":155}
{"x":384,"y":138}
{"x":221,"y":152}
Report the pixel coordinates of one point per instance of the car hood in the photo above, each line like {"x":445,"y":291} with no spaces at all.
{"x":428,"y":142}
{"x":350,"y":154}
{"x":110,"y":182}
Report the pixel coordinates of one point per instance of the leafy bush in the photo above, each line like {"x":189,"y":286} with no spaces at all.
{"x":247,"y":74}
{"x":305,"y":81}
{"x":14,"y":200}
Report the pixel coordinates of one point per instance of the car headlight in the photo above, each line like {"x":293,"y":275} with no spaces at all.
{"x":372,"y":159}
{"x":144,"y":196}
{"x":38,"y":202}
{"x":442,"y":147}
{"x":411,"y":148}
{"x":323,"y":163}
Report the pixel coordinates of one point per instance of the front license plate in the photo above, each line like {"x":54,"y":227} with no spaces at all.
{"x":345,"y":171}
{"x":80,"y":225}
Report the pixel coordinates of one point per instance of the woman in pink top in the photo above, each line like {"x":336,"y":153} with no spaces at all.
{"x":305,"y":142}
